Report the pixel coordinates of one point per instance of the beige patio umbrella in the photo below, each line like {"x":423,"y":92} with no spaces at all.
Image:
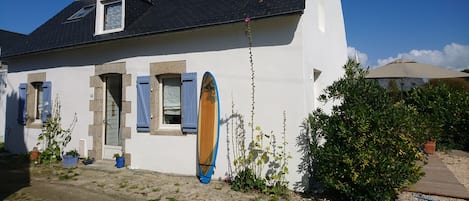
{"x":402,"y":68}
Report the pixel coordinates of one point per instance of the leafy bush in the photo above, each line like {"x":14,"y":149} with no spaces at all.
{"x":459,"y":84}
{"x":371,"y":149}
{"x":249,"y":161}
{"x":53,"y":136}
{"x":445,"y":110}
{"x":73,"y":153}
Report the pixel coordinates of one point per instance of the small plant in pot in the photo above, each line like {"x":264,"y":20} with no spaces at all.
{"x":70,"y":158}
{"x":120,"y":160}
{"x":87,"y":161}
{"x":431,"y":135}
{"x":34,"y":155}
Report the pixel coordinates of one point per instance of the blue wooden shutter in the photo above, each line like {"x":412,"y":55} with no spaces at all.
{"x":189,"y":102}
{"x":143,"y":103}
{"x":22,"y":103}
{"x":46,"y":101}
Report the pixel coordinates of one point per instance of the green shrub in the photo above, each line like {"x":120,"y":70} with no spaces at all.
{"x":459,"y":84}
{"x":445,"y":111}
{"x":53,"y":137}
{"x":371,"y":150}
{"x":73,"y":153}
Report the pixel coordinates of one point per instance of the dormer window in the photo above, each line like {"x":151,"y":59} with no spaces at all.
{"x":113,"y":15}
{"x":81,"y":13}
{"x":110,"y":16}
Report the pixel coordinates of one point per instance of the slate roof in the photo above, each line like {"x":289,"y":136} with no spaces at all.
{"x":144,"y":18}
{"x":10,"y":39}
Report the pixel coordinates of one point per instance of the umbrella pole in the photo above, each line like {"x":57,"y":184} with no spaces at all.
{"x":402,"y":88}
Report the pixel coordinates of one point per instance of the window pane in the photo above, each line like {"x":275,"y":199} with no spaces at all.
{"x":81,"y":13}
{"x":172,"y":100}
{"x":112,"y":15}
{"x":39,"y":95}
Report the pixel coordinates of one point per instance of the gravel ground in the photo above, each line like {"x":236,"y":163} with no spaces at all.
{"x":56,"y":183}
{"x":458,"y":162}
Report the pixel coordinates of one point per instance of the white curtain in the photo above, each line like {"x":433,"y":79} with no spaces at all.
{"x":39,"y":97}
{"x":113,"y":16}
{"x":172,"y":96}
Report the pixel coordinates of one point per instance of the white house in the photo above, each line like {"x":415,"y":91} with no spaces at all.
{"x":7,"y":40}
{"x":109,"y":61}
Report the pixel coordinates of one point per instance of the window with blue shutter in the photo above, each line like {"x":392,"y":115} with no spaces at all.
{"x":143,"y":104}
{"x":22,"y":103}
{"x":189,"y":102}
{"x":46,"y":101}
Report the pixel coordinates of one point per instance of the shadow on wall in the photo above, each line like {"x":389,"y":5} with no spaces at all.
{"x":235,"y":139}
{"x":14,"y":169}
{"x":305,"y":141}
{"x":275,"y":31}
{"x":3,"y":95}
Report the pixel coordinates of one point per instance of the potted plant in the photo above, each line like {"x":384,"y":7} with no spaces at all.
{"x":430,"y":146}
{"x":87,"y":161}
{"x":120,"y":160}
{"x":431,"y":135}
{"x":34,"y":155}
{"x":70,"y":159}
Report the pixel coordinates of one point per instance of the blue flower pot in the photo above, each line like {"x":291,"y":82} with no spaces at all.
{"x":70,"y":161}
{"x":120,"y":162}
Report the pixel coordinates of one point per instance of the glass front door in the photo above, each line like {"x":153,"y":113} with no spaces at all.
{"x":112,"y":115}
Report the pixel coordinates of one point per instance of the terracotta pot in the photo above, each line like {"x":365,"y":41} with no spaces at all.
{"x":430,"y":147}
{"x":34,"y":155}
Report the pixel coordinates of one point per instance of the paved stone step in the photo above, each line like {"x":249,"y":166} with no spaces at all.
{"x":439,"y":180}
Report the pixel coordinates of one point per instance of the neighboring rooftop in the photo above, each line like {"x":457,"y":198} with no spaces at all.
{"x":145,"y":17}
{"x":10,"y":39}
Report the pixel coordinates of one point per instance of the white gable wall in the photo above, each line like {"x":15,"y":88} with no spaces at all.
{"x":3,"y":94}
{"x":67,"y":84}
{"x":286,"y":49}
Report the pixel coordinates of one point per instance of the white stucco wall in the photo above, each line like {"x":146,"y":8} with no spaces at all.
{"x":286,"y":50}
{"x":3,"y":95}
{"x":68,"y":84}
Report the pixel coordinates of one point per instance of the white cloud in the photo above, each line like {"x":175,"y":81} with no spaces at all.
{"x":362,"y":57}
{"x":454,"y":56}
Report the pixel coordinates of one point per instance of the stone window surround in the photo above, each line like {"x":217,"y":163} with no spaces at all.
{"x":31,"y":95}
{"x":96,"y":130}
{"x":157,"y":69}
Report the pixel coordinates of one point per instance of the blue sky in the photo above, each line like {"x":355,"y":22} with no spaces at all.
{"x":428,"y":31}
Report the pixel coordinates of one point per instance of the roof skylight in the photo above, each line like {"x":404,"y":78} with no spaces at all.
{"x":82,"y":12}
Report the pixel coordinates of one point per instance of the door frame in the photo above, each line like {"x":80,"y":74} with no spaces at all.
{"x":110,"y":150}
{"x":97,"y":129}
